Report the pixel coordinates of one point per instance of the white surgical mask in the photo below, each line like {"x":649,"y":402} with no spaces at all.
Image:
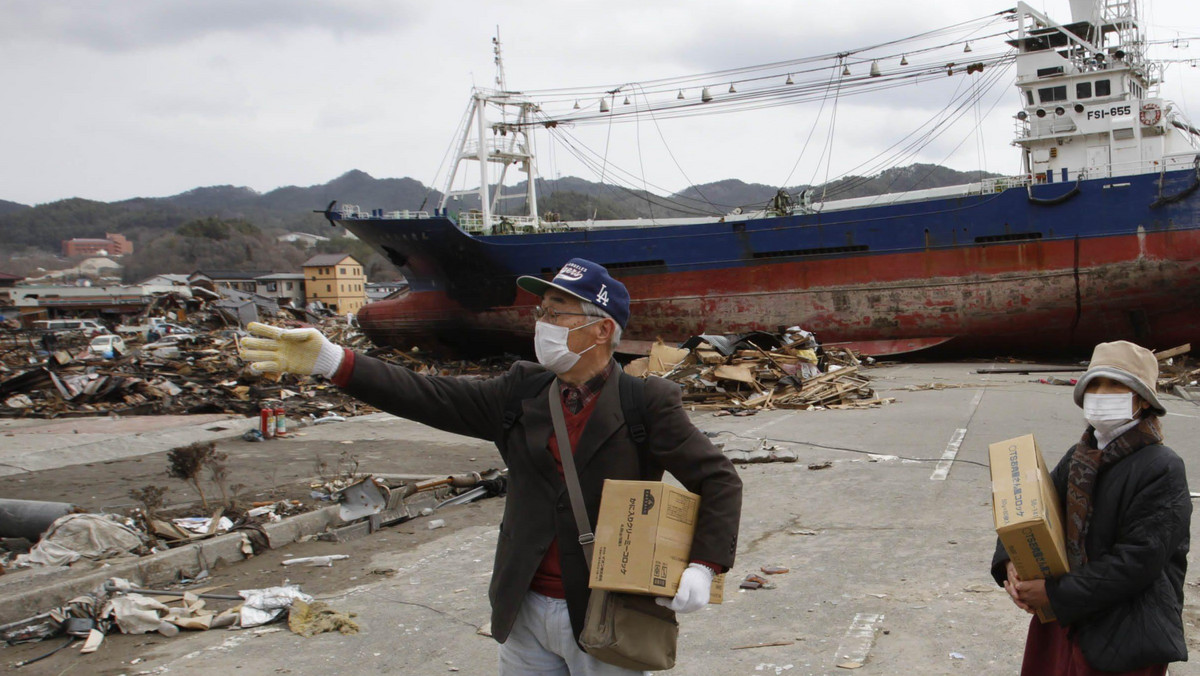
{"x":1107,"y":412}
{"x":550,"y":344}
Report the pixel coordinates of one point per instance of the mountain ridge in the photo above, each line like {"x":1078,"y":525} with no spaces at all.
{"x":292,"y":207}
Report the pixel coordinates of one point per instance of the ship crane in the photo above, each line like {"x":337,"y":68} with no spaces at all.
{"x":509,"y":144}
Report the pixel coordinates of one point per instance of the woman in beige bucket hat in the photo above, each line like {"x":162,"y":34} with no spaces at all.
{"x":1128,"y":517}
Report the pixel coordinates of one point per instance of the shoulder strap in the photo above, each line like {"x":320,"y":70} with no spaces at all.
{"x":633,"y":407}
{"x":526,"y":389}
{"x":574,"y":490}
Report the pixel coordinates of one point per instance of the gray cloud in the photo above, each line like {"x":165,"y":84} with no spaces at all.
{"x":133,"y":25}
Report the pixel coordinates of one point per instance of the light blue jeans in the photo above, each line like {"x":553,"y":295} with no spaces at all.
{"x":542,"y":643}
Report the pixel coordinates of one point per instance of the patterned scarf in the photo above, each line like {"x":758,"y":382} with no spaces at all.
{"x":1085,"y":465}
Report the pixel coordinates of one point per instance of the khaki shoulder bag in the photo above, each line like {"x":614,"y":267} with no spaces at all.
{"x":625,"y":630}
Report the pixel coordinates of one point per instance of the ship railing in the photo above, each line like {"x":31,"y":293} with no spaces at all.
{"x":1002,"y":183}
{"x":495,"y":148}
{"x":473,"y":223}
{"x":352,"y":211}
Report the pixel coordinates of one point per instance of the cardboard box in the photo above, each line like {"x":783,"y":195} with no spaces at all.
{"x":644,"y":538}
{"x":1027,"y":512}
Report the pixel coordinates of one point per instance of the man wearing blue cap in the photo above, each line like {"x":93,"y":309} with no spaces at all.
{"x":539,"y":590}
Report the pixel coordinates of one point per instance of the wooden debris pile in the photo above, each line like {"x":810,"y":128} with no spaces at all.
{"x":198,"y":374}
{"x":746,"y":376}
{"x":1176,"y":372}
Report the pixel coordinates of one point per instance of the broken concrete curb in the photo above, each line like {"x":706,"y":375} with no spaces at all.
{"x":28,"y":594}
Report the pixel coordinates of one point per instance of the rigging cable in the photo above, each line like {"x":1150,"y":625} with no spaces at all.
{"x":827,"y":151}
{"x":812,"y":129}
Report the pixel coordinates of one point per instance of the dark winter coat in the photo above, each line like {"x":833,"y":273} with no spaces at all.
{"x":538,"y":509}
{"x":1124,"y":606}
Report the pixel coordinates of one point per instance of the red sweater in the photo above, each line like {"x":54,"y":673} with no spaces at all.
{"x":547,"y":581}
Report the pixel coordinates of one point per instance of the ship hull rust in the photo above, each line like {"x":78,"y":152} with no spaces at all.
{"x":1137,"y":288}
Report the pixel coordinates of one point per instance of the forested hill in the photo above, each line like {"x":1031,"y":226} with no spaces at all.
{"x":7,"y":207}
{"x":291,"y":208}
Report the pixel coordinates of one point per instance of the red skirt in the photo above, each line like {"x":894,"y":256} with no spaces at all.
{"x":1050,"y":652}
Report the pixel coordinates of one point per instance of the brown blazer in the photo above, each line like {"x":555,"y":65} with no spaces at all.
{"x":538,"y":508}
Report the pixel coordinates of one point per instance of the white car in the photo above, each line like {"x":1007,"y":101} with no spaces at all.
{"x":103,"y":345}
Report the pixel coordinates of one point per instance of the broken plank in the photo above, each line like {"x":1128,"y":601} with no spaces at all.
{"x":1173,"y":352}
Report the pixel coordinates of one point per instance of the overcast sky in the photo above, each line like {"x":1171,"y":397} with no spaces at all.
{"x":111,"y":100}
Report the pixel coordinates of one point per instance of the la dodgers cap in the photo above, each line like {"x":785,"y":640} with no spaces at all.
{"x":586,"y":281}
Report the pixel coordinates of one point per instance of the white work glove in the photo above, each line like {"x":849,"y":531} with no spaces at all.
{"x":303,"y":351}
{"x":692,"y":594}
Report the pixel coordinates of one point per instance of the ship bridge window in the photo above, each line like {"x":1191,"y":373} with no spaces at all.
{"x":1103,"y":88}
{"x":1047,"y":72}
{"x":1029,"y":96}
{"x":1083,"y":90}
{"x":1051,"y":94}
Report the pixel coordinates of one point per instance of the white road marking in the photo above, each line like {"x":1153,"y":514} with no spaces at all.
{"x":943,"y":467}
{"x":857,"y":642}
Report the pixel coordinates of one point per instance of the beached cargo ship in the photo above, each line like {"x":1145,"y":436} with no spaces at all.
{"x":1098,"y":239}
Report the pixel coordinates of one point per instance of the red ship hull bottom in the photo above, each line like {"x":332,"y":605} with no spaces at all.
{"x":1035,"y":297}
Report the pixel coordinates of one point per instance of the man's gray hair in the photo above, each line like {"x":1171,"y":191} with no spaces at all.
{"x":592,"y":310}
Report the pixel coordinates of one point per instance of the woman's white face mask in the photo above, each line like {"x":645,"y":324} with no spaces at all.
{"x":1107,"y":412}
{"x":550,"y":344}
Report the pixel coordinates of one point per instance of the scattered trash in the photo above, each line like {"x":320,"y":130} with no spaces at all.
{"x":820,"y":465}
{"x":957,"y":656}
{"x":771,"y":644}
{"x":764,"y":452}
{"x":775,"y":570}
{"x":308,"y":618}
{"x":436,"y":523}
{"x":92,"y":643}
{"x":802,"y":531}
{"x":316,"y":561}
{"x":95,"y":537}
{"x":202,"y":525}
{"x":753,"y":581}
{"x":264,"y":605}
{"x":1055,"y":380}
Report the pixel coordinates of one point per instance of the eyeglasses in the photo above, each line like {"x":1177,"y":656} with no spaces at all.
{"x":553,"y":315}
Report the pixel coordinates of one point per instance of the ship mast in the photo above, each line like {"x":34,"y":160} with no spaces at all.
{"x":510,"y":143}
